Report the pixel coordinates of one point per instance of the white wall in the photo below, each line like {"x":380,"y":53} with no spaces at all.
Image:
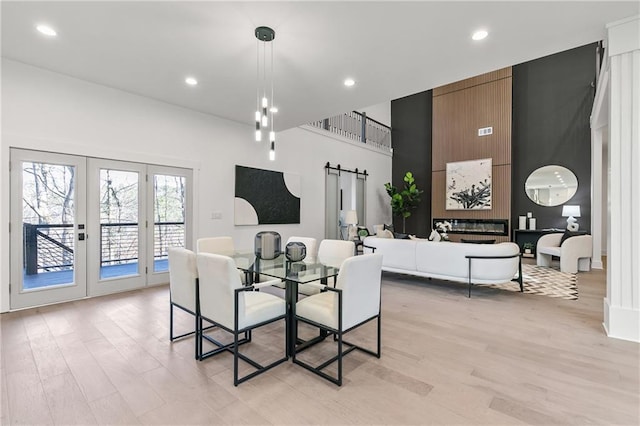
{"x":379,"y":112}
{"x":48,"y":111}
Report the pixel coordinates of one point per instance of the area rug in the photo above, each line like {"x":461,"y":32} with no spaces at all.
{"x":545,"y":281}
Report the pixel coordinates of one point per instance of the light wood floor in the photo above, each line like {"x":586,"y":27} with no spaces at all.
{"x":498,"y":358}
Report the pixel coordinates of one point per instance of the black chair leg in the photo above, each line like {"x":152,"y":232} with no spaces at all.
{"x":379,"y":334}
{"x":170,"y":321}
{"x":235,"y":358}
{"x":199,"y":338}
{"x":340,"y":358}
{"x":197,"y":335}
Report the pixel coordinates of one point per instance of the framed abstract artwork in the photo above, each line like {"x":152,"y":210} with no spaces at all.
{"x":469,"y":185}
{"x":266,"y":197}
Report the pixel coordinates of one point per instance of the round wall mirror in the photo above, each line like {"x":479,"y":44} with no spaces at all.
{"x":551,"y":185}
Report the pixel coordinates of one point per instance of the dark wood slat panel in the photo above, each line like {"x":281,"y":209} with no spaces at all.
{"x":501,"y":200}
{"x":473,"y":81}
{"x":457,"y":117}
{"x":459,"y":110}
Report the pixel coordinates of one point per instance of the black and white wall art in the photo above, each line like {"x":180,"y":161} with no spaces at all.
{"x":266,"y":197}
{"x":469,"y":185}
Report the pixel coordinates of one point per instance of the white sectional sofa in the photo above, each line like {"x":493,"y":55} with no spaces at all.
{"x":489,"y":263}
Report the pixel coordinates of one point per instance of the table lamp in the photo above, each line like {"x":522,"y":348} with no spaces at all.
{"x":571,"y":212}
{"x":351,"y":219}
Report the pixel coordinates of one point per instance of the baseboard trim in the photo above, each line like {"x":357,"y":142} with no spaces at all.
{"x":621,"y":323}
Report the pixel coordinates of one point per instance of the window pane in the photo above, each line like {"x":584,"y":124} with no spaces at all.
{"x":118,"y":223}
{"x":168,"y":212}
{"x":48,"y":218}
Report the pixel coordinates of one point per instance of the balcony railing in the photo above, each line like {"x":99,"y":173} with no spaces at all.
{"x":50,"y":247}
{"x":357,"y":126}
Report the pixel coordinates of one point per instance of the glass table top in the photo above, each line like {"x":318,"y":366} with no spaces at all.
{"x":301,"y":272}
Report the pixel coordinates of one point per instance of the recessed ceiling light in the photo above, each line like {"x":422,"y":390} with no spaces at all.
{"x":479,"y":35}
{"x":274,"y":109}
{"x":191,"y":81}
{"x":349,"y":82}
{"x":46,"y":30}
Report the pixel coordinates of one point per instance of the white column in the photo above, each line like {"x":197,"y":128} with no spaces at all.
{"x":596,"y":197}
{"x":599,"y":125}
{"x":622,"y":303}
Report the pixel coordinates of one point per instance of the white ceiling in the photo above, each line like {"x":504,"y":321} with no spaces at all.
{"x":391,"y":49}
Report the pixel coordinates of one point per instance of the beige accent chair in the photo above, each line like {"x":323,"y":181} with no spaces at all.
{"x":574,"y":253}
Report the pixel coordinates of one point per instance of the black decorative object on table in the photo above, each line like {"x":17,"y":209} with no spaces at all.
{"x":295,"y":251}
{"x":268,"y":245}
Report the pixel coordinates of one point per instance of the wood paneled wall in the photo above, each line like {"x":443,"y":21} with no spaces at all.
{"x":459,"y":110}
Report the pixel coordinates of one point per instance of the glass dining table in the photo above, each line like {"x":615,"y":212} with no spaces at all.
{"x":292,"y":274}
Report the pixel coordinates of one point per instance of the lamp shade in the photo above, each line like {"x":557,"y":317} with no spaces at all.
{"x":351,"y":217}
{"x":568,"y":211}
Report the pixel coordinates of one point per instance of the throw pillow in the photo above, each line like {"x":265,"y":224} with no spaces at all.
{"x":385,"y":234}
{"x":363,"y":232}
{"x":388,"y":227}
{"x":400,"y":236}
{"x":569,"y":234}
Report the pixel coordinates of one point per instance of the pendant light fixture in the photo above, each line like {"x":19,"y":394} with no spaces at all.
{"x":264,"y":93}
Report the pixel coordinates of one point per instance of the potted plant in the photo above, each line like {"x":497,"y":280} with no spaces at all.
{"x":528,"y":248}
{"x":402,"y":202}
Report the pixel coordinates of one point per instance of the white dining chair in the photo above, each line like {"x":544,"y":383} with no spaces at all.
{"x":183,"y":289}
{"x":220,"y":245}
{"x":310,"y":243}
{"x":354,"y":301}
{"x":331,"y":253}
{"x":235,"y":308}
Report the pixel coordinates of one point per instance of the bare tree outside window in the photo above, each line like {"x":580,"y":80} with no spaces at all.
{"x":48,"y":215}
{"x":169,"y":213}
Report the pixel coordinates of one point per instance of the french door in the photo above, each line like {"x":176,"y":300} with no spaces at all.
{"x":48,"y":236}
{"x":116,"y":231}
{"x":92,"y":226}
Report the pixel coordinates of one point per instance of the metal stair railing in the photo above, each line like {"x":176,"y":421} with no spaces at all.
{"x":357,"y":126}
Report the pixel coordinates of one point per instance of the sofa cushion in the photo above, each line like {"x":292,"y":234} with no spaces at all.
{"x":553,"y":251}
{"x":448,"y":259}
{"x":441,"y":258}
{"x":385,"y":234}
{"x":399,"y":254}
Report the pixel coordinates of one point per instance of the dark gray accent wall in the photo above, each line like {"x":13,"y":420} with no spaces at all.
{"x":552,"y":100}
{"x":411,"y":136}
